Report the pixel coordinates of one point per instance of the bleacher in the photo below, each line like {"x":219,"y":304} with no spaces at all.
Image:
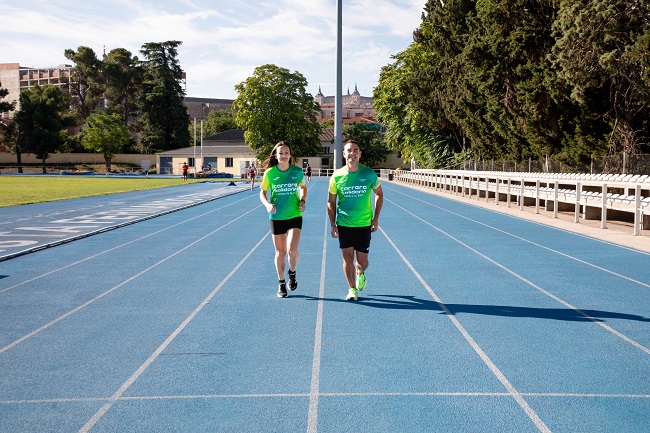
{"x":623,"y":197}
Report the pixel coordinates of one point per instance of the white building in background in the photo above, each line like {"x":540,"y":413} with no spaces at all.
{"x":16,"y":78}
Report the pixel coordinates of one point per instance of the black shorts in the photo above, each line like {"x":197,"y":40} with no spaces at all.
{"x":357,"y":237}
{"x":281,"y":227}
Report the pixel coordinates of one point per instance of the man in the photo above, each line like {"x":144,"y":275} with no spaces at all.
{"x":349,"y":207}
{"x":184,"y":168}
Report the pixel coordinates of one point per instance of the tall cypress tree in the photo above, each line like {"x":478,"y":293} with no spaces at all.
{"x":164,"y":116}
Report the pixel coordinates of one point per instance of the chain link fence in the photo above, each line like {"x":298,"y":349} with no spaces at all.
{"x":623,"y":163}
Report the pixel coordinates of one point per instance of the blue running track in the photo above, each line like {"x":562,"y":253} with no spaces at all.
{"x":472,"y":321}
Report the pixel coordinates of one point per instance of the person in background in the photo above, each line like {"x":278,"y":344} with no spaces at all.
{"x":252,"y":172}
{"x":308,"y":172}
{"x":349,"y":207}
{"x":288,"y":193}
{"x":184,"y":168}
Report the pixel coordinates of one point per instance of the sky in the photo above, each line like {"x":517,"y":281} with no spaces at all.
{"x":223,"y":40}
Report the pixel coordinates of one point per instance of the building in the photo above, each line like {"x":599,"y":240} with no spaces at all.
{"x":16,"y":78}
{"x":353,"y":105}
{"x":198,"y":108}
{"x":227,"y":152}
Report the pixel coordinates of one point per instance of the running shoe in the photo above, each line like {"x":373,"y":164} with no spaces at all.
{"x":282,"y":290}
{"x":353,"y":294}
{"x":361,"y":281}
{"x":293,"y":283}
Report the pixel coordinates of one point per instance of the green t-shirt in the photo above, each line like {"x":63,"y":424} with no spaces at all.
{"x":284,"y":191}
{"x":354,"y":190}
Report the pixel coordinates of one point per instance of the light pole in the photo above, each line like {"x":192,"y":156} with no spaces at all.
{"x":194,"y":148}
{"x":338,"y":107}
{"x":201,"y":145}
{"x":204,"y":105}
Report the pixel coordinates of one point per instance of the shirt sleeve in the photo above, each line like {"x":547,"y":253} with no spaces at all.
{"x":376,"y":182}
{"x":333,"y":189}
{"x":266,"y":185}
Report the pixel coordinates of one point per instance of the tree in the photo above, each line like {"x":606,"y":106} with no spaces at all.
{"x":374,"y":151}
{"x":9,"y":138}
{"x":219,"y":121}
{"x":123,"y":75}
{"x":409,"y":103}
{"x":216,"y":121}
{"x":4,"y":105}
{"x":602,"y":55}
{"x":9,"y":128}
{"x":86,"y":84}
{"x":42,"y":120}
{"x":273,"y":105}
{"x":105,"y":133}
{"x":164,"y":116}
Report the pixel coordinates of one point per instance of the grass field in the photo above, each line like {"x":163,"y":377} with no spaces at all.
{"x":19,"y":190}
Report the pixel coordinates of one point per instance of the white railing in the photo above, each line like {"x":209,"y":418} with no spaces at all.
{"x":588,"y":196}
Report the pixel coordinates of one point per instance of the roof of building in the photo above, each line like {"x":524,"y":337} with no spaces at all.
{"x":327,"y":134}
{"x":209,"y":151}
{"x":351,"y":120}
{"x":208,"y":100}
{"x":229,"y":135}
{"x":231,"y":142}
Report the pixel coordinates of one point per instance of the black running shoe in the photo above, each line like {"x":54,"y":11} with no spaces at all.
{"x":282,"y":290}
{"x":293,"y":283}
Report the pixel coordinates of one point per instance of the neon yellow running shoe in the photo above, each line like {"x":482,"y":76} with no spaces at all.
{"x":361,"y":281}
{"x":353,"y":294}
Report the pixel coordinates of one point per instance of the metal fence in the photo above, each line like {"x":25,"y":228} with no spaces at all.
{"x":623,"y":163}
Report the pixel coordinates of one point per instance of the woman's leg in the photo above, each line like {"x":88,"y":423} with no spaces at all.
{"x":280,"y":244}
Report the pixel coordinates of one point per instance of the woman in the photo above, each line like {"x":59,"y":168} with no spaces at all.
{"x":285,"y":207}
{"x":251,"y":174}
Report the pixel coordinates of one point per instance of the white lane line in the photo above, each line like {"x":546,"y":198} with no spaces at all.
{"x":530,"y":283}
{"x":125,"y":386}
{"x":119,"y":246}
{"x":312,"y":419}
{"x":327,"y":394}
{"x":541,"y":426}
{"x":600,"y":268}
{"x":98,"y":297}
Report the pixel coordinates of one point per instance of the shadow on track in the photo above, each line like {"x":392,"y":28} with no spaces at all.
{"x":396,"y":302}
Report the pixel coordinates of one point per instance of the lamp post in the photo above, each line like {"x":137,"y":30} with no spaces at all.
{"x":201,"y":145}
{"x":204,"y":105}
{"x":338,"y":108}
{"x":194,"y":148}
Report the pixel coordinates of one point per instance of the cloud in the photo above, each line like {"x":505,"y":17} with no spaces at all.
{"x":223,"y":40}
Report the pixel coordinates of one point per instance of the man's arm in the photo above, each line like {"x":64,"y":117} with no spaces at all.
{"x":379,"y":203}
{"x":331,"y":212}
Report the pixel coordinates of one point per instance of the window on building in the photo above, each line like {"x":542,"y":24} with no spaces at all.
{"x":190,"y":162}
{"x":325,"y":162}
{"x":229,"y":162}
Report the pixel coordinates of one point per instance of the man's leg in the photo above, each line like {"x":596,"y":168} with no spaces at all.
{"x":362,"y":262}
{"x":349,"y":267}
